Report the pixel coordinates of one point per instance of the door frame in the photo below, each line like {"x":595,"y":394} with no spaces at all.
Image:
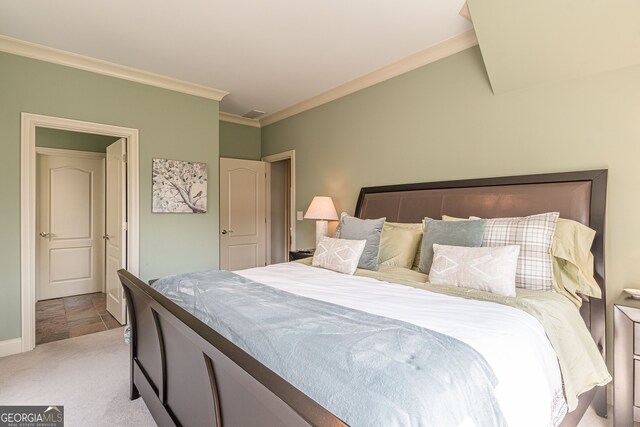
{"x":63,"y":152}
{"x":29,"y":123}
{"x":285,"y":155}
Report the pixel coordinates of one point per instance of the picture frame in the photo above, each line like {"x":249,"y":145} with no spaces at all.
{"x":179,"y":186}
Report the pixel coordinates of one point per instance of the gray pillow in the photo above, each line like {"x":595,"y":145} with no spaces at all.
{"x":353,"y":228}
{"x":452,"y":233}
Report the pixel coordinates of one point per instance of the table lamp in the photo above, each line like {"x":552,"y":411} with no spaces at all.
{"x":321,"y":209}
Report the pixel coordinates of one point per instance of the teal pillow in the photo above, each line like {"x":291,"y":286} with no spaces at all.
{"x":453,"y":233}
{"x":353,"y":228}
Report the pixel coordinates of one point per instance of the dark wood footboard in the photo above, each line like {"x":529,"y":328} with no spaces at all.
{"x":189,"y":375}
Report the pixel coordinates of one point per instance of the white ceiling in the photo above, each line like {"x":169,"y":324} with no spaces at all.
{"x":268,"y":54}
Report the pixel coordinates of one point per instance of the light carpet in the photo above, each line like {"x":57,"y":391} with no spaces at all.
{"x":89,"y":375}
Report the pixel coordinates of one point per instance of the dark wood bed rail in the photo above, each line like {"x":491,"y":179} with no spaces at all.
{"x":190,"y":375}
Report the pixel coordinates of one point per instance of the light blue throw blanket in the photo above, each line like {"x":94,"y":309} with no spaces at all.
{"x":368,"y":370}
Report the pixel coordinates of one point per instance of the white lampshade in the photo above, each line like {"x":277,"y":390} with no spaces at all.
{"x":321,"y":207}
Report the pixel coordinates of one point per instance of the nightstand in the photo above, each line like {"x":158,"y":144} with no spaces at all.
{"x":626,"y":361}
{"x":301,"y":254}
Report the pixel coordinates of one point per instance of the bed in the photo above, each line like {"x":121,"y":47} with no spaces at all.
{"x":193,"y":375}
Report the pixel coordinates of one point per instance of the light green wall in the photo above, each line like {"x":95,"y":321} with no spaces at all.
{"x":443,"y":122}
{"x":172,"y":125}
{"x":56,"y":138}
{"x":239,"y":141}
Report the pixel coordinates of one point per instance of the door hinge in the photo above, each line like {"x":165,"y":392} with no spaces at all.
{"x":124,"y":158}
{"x":125,"y":226}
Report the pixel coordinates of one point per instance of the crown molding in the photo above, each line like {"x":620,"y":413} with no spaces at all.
{"x":441,"y":50}
{"x":234,"y":118}
{"x":61,"y":57}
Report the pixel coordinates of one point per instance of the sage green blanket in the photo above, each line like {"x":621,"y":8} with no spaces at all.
{"x":581,"y":364}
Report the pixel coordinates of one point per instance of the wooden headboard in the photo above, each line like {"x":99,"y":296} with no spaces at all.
{"x":580,"y":196}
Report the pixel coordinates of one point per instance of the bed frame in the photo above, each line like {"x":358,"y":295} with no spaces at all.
{"x":189,"y":375}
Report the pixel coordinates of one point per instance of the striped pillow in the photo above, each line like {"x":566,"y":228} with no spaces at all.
{"x":534,"y":235}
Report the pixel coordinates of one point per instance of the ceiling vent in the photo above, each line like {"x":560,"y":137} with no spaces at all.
{"x":253,"y":114}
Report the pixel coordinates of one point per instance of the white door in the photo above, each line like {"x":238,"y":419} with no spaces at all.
{"x":70,"y":220}
{"x":116,"y":227}
{"x":243,"y":214}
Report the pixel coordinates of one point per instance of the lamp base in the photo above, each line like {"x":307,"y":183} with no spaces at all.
{"x":322,"y":230}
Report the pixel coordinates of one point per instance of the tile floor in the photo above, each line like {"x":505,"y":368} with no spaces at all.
{"x":60,"y":318}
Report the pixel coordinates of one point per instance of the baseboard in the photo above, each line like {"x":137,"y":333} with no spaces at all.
{"x":9,"y":347}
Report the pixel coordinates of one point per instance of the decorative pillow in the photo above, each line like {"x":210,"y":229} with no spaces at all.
{"x":363,"y":229}
{"x":399,"y":244}
{"x":485,"y":269}
{"x":339,"y":255}
{"x":534,"y":235}
{"x":455,"y":233}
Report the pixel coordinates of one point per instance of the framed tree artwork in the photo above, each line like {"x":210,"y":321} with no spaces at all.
{"x":179,"y":186}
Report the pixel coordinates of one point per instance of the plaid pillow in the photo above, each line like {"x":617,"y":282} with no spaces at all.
{"x":534,"y":235}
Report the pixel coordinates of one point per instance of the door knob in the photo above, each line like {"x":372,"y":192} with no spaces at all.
{"x":43,"y":234}
{"x":227,"y":231}
{"x":106,"y":237}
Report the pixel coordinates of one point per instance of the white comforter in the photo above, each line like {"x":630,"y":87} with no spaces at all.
{"x":513,"y":342}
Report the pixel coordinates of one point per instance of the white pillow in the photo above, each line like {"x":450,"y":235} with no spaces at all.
{"x":491,"y":269}
{"x":339,"y":255}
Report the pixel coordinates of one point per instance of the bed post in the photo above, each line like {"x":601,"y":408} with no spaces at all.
{"x":599,"y":306}
{"x":133,"y":391}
